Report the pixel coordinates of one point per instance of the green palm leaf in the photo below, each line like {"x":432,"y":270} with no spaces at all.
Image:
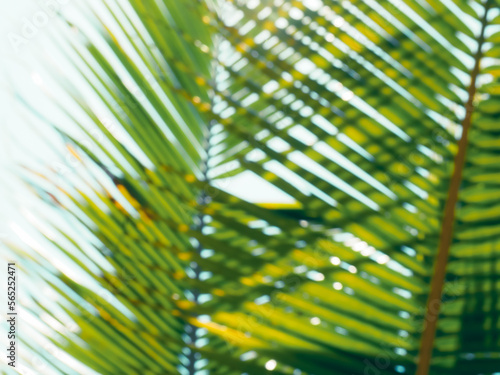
{"x":358,"y":112}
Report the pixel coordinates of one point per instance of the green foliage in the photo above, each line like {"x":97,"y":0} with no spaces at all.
{"x":350,"y":108}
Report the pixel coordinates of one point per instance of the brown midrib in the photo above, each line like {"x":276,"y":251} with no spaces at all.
{"x":446,"y":237}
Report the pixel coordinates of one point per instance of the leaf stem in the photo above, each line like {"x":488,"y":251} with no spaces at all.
{"x":446,"y":236}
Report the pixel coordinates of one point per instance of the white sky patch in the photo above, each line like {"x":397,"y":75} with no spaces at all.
{"x":250,"y":99}
{"x":315,"y":276}
{"x":305,"y":66}
{"x":264,"y":13}
{"x":255,"y":155}
{"x":345,"y":163}
{"x":382,"y":259}
{"x":334,"y":86}
{"x":324,"y":124}
{"x":313,"y":5}
{"x":368,"y":251}
{"x":248,"y":355}
{"x":421,"y":193}
{"x":271,"y":365}
{"x":309,"y":164}
{"x":403,"y":293}
{"x":315,"y":321}
{"x":362,"y":245}
{"x":252,"y":188}
{"x":335,"y":261}
{"x":278,"y":144}
{"x":247,"y":27}
{"x":298,"y":182}
{"x":373,"y":113}
{"x":270,"y":87}
{"x":281,"y":23}
{"x":354,"y":146}
{"x":303,"y":135}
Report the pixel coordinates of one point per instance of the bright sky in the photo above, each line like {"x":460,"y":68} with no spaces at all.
{"x":21,"y":139}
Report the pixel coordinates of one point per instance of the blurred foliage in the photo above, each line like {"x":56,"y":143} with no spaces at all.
{"x":350,"y":108}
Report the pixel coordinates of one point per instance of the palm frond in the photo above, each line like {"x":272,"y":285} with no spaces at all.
{"x":354,"y":111}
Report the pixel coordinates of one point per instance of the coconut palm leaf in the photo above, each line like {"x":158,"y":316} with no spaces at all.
{"x":358,"y":112}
